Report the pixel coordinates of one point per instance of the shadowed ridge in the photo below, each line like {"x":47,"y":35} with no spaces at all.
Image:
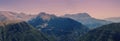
{"x":20,"y":31}
{"x":110,"y":32}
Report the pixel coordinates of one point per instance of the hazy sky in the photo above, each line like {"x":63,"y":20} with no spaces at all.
{"x":96,"y":8}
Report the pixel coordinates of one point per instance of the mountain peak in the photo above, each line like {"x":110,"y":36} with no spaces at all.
{"x":42,"y":14}
{"x":80,"y":15}
{"x":83,"y":14}
{"x":45,"y":16}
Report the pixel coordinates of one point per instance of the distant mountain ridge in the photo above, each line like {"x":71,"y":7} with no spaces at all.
{"x":7,"y":15}
{"x":113,"y":19}
{"x":63,"y":29}
{"x":84,"y":18}
{"x":80,"y":15}
{"x":49,"y":27}
{"x":87,"y":20}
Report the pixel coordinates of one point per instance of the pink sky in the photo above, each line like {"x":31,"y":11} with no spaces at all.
{"x":96,"y":8}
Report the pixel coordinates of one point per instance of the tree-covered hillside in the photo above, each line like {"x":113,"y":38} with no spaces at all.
{"x":20,"y":32}
{"x":109,"y":32}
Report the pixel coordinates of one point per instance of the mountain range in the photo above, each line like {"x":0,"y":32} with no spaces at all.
{"x":63,"y":29}
{"x":49,"y":27}
{"x":87,"y":20}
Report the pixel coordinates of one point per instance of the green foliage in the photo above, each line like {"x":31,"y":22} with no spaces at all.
{"x":110,"y":32}
{"x":20,"y":32}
